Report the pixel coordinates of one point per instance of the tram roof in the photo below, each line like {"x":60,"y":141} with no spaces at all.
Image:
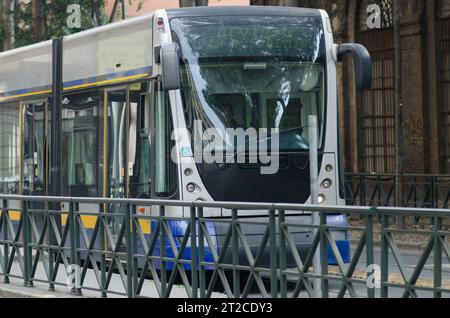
{"x":243,"y":11}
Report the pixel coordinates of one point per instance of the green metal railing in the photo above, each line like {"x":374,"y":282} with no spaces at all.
{"x":31,"y":237}
{"x":420,"y":191}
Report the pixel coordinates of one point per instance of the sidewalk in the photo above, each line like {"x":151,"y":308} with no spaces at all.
{"x":16,"y":290}
{"x":40,"y":290}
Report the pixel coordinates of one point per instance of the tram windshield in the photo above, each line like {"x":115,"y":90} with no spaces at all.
{"x":253,"y":72}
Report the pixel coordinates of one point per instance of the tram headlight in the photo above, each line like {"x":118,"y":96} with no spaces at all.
{"x":188,"y":172}
{"x":321,"y":199}
{"x":327,"y":183}
{"x":190,"y":187}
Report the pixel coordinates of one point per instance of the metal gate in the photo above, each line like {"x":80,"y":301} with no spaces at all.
{"x":273,"y":266}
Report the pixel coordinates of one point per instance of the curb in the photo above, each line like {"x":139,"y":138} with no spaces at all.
{"x":14,"y":290}
{"x":4,"y":293}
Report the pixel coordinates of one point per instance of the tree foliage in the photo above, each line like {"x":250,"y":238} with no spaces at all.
{"x":55,"y":18}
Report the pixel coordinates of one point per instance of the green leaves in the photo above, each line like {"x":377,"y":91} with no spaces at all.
{"x":56,"y":16}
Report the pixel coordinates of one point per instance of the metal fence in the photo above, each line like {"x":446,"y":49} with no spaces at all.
{"x":34,"y":235}
{"x":420,"y":191}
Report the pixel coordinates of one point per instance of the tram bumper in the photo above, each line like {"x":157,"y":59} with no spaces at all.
{"x":300,"y":237}
{"x":215,"y":243}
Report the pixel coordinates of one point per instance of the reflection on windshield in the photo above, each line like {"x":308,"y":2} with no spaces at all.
{"x":259,"y":83}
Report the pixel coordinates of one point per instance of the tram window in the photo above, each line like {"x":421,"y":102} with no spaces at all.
{"x":34,"y":144}
{"x":9,"y":148}
{"x":166,"y":180}
{"x":139,"y":142}
{"x":80,"y":144}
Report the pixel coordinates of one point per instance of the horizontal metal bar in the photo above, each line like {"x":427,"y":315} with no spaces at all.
{"x":413,"y":211}
{"x":374,"y":175}
{"x":245,"y":268}
{"x":237,"y":205}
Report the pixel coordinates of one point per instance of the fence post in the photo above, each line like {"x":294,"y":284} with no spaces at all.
{"x":74,"y":257}
{"x":273,"y":255}
{"x":369,"y":249}
{"x":162,"y":214}
{"x":194,"y":260}
{"x":134,"y":247}
{"x":102,"y":231}
{"x":130,"y":252}
{"x":201,"y":249}
{"x":76,"y":228}
{"x":5,"y":239}
{"x":283,"y":278}
{"x":26,"y":246}
{"x":437,"y":257}
{"x":235,"y":251}
{"x":50,"y":239}
{"x":323,"y":254}
{"x":384,"y":256}
{"x":73,"y":264}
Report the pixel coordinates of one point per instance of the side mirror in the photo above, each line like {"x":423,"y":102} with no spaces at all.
{"x":362,"y":61}
{"x":170,"y":64}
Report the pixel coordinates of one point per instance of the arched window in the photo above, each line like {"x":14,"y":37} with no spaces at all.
{"x":444,"y":84}
{"x":376,"y":140}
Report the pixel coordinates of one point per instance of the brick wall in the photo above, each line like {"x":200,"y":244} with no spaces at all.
{"x":420,"y":91}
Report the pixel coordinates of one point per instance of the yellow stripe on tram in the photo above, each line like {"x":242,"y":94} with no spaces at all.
{"x":13,"y":215}
{"x":104,"y":82}
{"x":25,"y":95}
{"x":88,"y":221}
{"x":145,"y":226}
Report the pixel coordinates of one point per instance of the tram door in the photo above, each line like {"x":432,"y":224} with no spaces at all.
{"x":34,"y":152}
{"x":117,"y":114}
{"x":35,"y":147}
{"x":126,"y":148}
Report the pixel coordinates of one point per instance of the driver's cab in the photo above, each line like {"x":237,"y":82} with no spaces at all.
{"x":285,"y":116}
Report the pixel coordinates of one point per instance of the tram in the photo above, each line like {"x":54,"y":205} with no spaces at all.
{"x":137,"y":93}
